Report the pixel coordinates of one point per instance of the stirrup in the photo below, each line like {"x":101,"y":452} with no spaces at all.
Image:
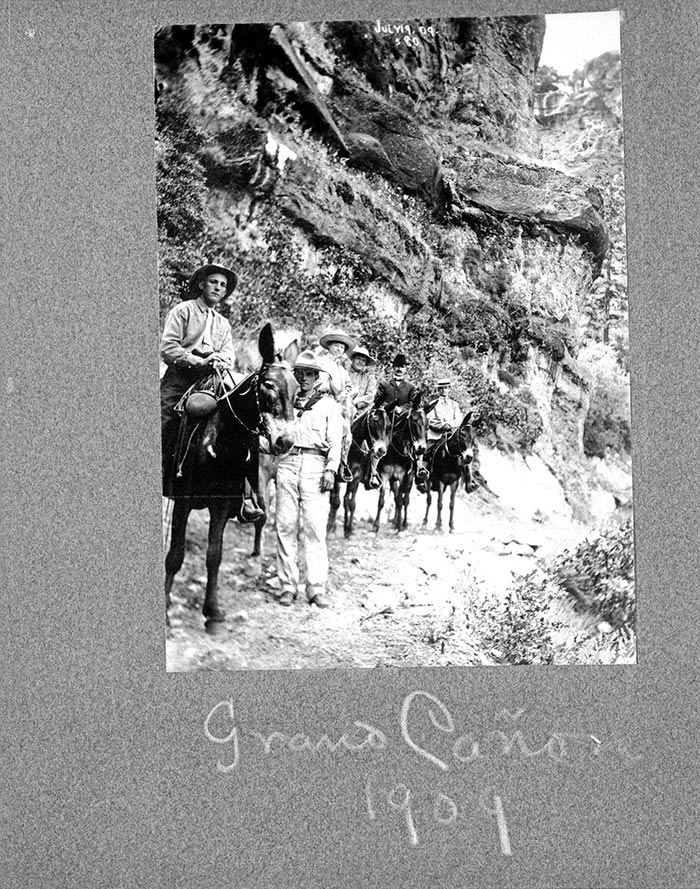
{"x":345,"y":474}
{"x":249,"y":512}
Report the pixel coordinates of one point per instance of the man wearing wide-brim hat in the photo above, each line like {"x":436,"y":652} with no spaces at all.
{"x":363,"y":381}
{"x":333,"y":347}
{"x":304,"y":477}
{"x":195,"y":344}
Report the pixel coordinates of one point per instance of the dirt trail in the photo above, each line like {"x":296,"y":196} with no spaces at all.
{"x":395,"y":597}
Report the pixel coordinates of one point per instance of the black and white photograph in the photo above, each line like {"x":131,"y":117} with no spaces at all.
{"x":394,"y":351}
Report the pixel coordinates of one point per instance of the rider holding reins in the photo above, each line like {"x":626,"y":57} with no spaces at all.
{"x":196,"y":343}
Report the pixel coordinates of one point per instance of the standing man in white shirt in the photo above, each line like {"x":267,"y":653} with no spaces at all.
{"x":304,"y":476}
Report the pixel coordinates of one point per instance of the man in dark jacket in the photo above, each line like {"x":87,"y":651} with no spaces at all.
{"x":396,"y":390}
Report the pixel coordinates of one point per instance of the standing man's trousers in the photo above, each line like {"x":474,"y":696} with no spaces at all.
{"x":299,"y":499}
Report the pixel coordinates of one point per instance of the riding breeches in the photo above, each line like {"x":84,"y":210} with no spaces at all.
{"x":300,"y":500}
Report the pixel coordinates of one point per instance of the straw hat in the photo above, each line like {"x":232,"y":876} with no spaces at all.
{"x":361,"y":352}
{"x":337,"y":336}
{"x":203,"y":272}
{"x":443,"y":382}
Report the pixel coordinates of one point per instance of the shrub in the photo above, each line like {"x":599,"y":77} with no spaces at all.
{"x":607,"y":425}
{"x":599,"y":577}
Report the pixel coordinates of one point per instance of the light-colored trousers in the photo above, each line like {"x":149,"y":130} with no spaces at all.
{"x":299,"y":498}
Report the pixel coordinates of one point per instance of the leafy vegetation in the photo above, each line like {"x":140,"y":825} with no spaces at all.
{"x":597,"y":579}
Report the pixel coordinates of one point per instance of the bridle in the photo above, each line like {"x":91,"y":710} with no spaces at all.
{"x":242,"y":390}
{"x":368,"y":437}
{"x":411,"y":443}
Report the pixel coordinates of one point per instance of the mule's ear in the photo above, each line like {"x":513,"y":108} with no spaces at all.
{"x":266,"y":344}
{"x":291,"y":352}
{"x":416,"y":400}
{"x":467,"y":418}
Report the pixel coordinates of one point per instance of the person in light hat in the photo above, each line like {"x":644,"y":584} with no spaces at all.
{"x":333,"y":346}
{"x":304,"y":477}
{"x":444,"y":417}
{"x":196,"y":343}
{"x":363,"y":381}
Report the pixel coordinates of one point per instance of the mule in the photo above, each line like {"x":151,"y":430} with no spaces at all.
{"x":212,"y":471}
{"x":397,"y":468}
{"x":449,"y":462}
{"x":369,"y":443}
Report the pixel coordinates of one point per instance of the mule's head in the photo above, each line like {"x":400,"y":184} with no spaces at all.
{"x":277,"y":390}
{"x":465,"y":438}
{"x":379,"y":431}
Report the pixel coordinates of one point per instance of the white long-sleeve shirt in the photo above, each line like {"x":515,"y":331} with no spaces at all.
{"x":320,"y":427}
{"x":446,"y":410}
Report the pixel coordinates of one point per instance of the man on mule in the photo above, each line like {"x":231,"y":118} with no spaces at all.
{"x":197,"y":347}
{"x":304,"y":476}
{"x":362,"y":393}
{"x":334,"y":345}
{"x":444,"y":417}
{"x":396,"y":392}
{"x":362,"y":380}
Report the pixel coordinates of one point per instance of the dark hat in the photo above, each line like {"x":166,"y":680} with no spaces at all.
{"x":400,"y":361}
{"x":203,"y":272}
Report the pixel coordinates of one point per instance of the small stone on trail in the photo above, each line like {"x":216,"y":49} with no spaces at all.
{"x":240,"y":617}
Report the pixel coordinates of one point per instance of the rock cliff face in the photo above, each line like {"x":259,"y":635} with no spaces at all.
{"x":412,"y":149}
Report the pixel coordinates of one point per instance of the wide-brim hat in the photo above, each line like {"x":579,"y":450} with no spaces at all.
{"x":203,"y":272}
{"x":306,"y":360}
{"x":337,"y":336}
{"x":400,"y":361}
{"x":444,"y":382}
{"x":360,"y":352}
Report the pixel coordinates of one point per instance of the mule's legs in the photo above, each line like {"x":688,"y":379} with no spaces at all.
{"x":380,"y":505}
{"x":349,"y":504}
{"x":398,"y":500}
{"x":335,"y":505}
{"x":176,"y":551}
{"x":259,"y":524}
{"x":219,"y":512}
{"x":453,"y":491}
{"x":259,"y":527}
{"x":441,"y":492}
{"x":406,"y":497}
{"x":429,"y":500}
